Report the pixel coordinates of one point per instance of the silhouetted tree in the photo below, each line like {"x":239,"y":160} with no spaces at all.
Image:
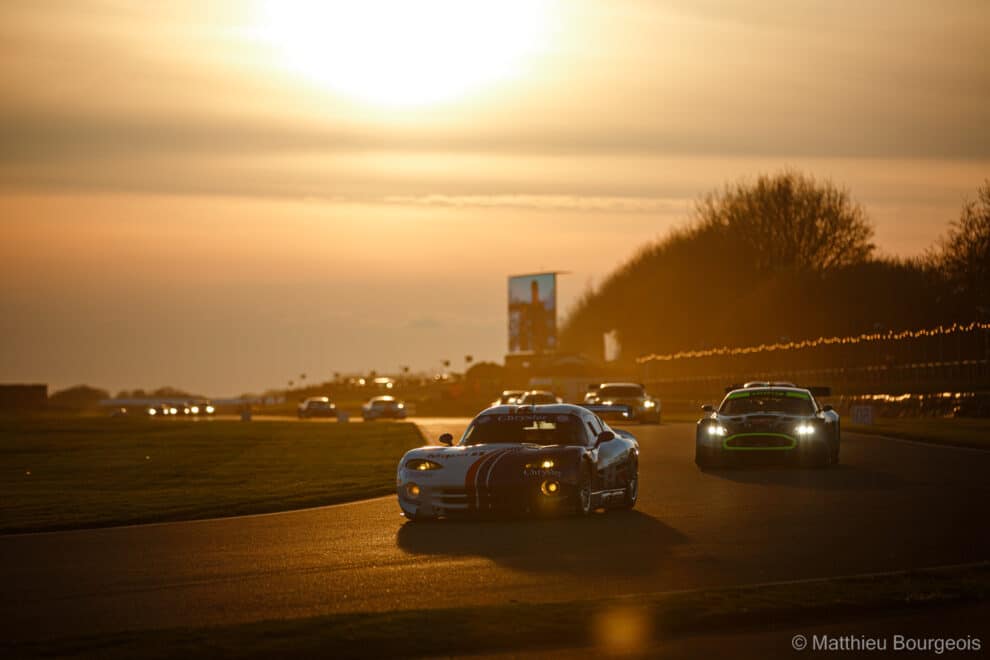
{"x":790,"y":222}
{"x":962,"y":256}
{"x":80,"y":397}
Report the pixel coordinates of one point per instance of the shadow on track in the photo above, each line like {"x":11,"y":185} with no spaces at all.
{"x":838,"y":478}
{"x":616,"y":543}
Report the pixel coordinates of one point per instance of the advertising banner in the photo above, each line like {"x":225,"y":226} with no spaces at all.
{"x":533,"y":313}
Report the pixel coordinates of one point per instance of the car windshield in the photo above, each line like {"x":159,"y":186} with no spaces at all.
{"x":620,"y":392}
{"x":319,"y":404}
{"x":777,"y":401}
{"x":526,"y":429}
{"x":382,"y":403}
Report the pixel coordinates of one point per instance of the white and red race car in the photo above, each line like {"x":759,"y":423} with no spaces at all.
{"x":556,"y":458}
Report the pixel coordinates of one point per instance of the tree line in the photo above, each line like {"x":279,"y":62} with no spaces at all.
{"x":784,"y":256}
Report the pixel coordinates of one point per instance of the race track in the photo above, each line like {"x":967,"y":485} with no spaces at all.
{"x":891,"y":505}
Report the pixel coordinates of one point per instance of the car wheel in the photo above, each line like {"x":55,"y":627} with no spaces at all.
{"x":632,"y":491}
{"x":704,"y":458}
{"x":582,"y":505}
{"x":835,"y":449}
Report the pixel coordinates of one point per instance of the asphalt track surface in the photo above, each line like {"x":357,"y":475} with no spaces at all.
{"x":891,"y":505}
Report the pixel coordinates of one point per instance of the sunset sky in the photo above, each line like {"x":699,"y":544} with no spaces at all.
{"x":219,"y":196}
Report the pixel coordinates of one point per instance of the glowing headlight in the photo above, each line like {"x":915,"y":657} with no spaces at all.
{"x":649,"y":404}
{"x":401,"y":406}
{"x":412,"y":490}
{"x":194,"y":410}
{"x":716,"y":429}
{"x":173,"y":411}
{"x":422,"y":464}
{"x":544,"y":464}
{"x":804,"y":429}
{"x":210,"y":409}
{"x":152,"y":411}
{"x":606,"y":403}
{"x":550,"y":487}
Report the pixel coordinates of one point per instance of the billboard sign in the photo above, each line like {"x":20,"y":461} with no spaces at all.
{"x":533,"y":313}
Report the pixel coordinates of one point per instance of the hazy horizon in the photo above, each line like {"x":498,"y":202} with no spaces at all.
{"x":216,"y":199}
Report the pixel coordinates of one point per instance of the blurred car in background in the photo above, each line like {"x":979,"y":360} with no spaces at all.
{"x":198,"y":407}
{"x":508,"y":398}
{"x":623,"y":401}
{"x":383,"y":407}
{"x":162,"y":410}
{"x":317,"y":406}
{"x":539,"y":398}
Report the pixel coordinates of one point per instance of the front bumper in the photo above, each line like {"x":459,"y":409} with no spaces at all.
{"x":443,"y":500}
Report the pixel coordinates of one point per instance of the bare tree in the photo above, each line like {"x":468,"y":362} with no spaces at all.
{"x":789,"y":222}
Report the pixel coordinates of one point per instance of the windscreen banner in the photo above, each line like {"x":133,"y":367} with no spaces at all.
{"x":533,"y":313}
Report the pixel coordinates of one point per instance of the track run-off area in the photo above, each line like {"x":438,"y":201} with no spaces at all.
{"x":889,"y":506}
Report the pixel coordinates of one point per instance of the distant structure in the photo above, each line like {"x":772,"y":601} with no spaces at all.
{"x":23,"y":397}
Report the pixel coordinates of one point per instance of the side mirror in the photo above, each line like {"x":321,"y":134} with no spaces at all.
{"x":708,"y":408}
{"x":604,"y":436}
{"x":447,"y":439}
{"x":827,"y":407}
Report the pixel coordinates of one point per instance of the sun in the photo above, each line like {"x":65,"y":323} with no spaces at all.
{"x":404,"y":52}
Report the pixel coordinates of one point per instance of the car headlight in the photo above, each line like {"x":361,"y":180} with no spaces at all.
{"x":542,"y":464}
{"x":210,"y":409}
{"x":152,"y":411}
{"x":717,"y":430}
{"x":422,"y":464}
{"x":401,"y":406}
{"x":194,"y":410}
{"x":805,"y":429}
{"x":649,"y":404}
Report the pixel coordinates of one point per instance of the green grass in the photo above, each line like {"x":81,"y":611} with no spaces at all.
{"x":645,"y":620}
{"x":960,"y":432}
{"x":92,"y":472}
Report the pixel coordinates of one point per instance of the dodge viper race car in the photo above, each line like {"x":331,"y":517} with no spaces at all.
{"x":556,"y":458}
{"x":623,"y":402}
{"x":768,"y":419}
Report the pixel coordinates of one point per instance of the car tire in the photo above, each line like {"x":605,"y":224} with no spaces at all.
{"x":632,"y":491}
{"x":582,"y":503}
{"x":705,"y":459}
{"x":835,"y":449}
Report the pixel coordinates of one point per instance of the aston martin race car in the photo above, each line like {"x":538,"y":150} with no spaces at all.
{"x":556,"y":458}
{"x":762,"y":419}
{"x":623,"y":402}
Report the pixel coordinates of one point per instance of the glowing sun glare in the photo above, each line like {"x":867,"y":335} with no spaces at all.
{"x":404,"y":52}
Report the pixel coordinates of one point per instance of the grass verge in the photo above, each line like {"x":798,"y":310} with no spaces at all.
{"x":96,"y":472}
{"x":959,"y":432}
{"x":643,"y":619}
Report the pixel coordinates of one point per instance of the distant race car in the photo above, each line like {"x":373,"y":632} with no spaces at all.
{"x":383,"y":407}
{"x":769,"y":419}
{"x":317,"y":406}
{"x":623,"y":401}
{"x":198,"y":407}
{"x":556,"y":458}
{"x":538,"y":398}
{"x":508,"y":397}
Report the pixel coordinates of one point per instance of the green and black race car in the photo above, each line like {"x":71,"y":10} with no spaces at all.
{"x":778,"y":420}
